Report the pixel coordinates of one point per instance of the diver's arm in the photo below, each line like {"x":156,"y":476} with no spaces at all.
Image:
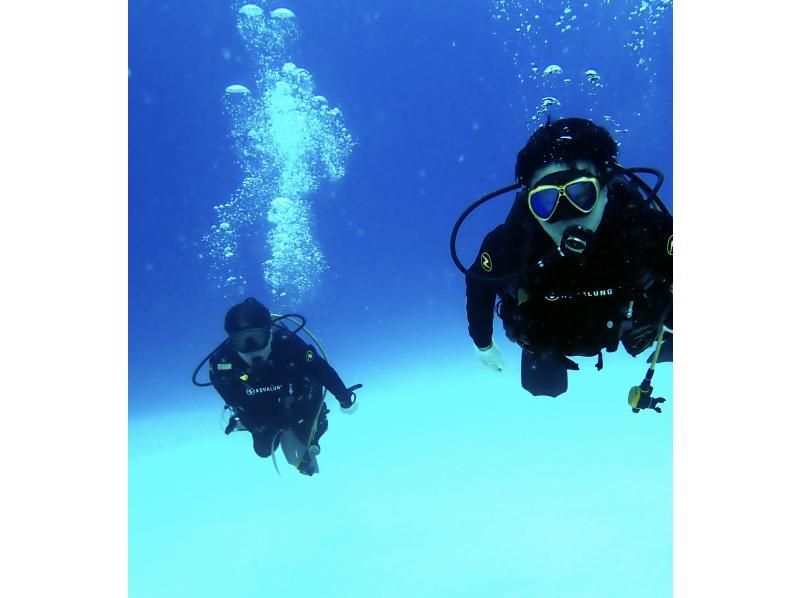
{"x":658,"y":250}
{"x":659,"y":257}
{"x":320,"y":370}
{"x":232,"y":393}
{"x":481,"y":290}
{"x":480,"y":313}
{"x":657,"y":229}
{"x":222,"y":375}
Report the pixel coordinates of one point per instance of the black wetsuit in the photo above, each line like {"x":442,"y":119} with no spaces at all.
{"x":575,"y":305}
{"x":285,"y":392}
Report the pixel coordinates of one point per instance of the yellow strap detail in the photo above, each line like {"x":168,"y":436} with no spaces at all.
{"x":658,"y":349}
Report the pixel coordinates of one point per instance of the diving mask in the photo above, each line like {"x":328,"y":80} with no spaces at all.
{"x":251,"y":340}
{"x":582,"y":192}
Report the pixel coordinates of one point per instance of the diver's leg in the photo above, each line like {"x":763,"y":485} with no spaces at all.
{"x":544,"y":372}
{"x":265,"y":439}
{"x":310,"y":423}
{"x":310,"y":416}
{"x":294,"y":449}
{"x":645,"y":335}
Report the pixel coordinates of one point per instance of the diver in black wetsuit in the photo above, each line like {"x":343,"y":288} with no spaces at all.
{"x":273,"y":383}
{"x":582,"y":262}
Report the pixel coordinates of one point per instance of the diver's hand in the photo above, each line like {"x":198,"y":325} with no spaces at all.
{"x":234,"y":425}
{"x":347,"y":402}
{"x":491,"y":357}
{"x":349,"y":410}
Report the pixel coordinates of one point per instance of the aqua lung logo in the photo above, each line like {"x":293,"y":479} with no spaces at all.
{"x":309,"y":355}
{"x":253,"y":391}
{"x":591,"y":294}
{"x":486,"y":262}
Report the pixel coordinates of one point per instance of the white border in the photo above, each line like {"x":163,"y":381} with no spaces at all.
{"x":736,"y":488}
{"x":64,"y":248}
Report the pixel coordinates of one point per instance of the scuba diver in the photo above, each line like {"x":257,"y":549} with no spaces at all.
{"x":272,"y":381}
{"x":582,"y":262}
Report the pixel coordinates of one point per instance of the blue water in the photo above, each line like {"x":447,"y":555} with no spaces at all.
{"x":449,"y":480}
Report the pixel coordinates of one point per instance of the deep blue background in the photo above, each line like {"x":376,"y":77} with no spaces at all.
{"x":420,"y":84}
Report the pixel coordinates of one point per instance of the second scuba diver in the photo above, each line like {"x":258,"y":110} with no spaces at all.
{"x":273,"y":381}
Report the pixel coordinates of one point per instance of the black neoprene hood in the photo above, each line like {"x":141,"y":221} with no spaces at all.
{"x":565,"y":140}
{"x":247,"y":314}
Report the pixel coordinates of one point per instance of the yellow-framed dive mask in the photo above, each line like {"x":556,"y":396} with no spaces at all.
{"x":583,"y":192}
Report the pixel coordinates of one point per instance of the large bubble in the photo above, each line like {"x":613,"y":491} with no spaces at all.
{"x":237,"y":89}
{"x":553,"y":69}
{"x":288,"y":141}
{"x":282,"y":13}
{"x":251,"y":10}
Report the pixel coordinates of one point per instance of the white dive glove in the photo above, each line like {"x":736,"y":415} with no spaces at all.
{"x":491,"y":357}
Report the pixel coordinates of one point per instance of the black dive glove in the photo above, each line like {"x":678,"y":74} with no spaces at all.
{"x":347,"y":400}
